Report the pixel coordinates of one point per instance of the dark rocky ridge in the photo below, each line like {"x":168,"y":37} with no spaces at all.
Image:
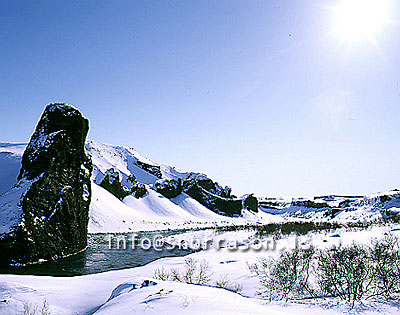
{"x":198,"y":186}
{"x":250,"y":202}
{"x":214,"y":202}
{"x":309,"y":204}
{"x":112,"y":183}
{"x":56,"y":205}
{"x":169,"y":188}
{"x":209,"y":193}
{"x":152,"y":169}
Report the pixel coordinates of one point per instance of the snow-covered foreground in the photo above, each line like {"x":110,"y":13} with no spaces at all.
{"x":137,"y":291}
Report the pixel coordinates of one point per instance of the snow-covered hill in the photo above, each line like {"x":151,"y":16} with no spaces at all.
{"x":127,"y":161}
{"x":10,"y":163}
{"x":154,"y":211}
{"x":122,"y":291}
{"x":335,"y":208}
{"x":108,"y":213}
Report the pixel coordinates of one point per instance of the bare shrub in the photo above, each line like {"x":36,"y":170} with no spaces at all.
{"x":204,"y":274}
{"x":286,"y":277}
{"x":385,"y":259}
{"x":224,"y":283}
{"x":259,"y":267}
{"x":345,"y":272}
{"x":30,"y":309}
{"x":351,"y":273}
{"x":194,"y":272}
{"x":33,"y":309}
{"x":357,"y":272}
{"x":188,"y":274}
{"x":162,"y":274}
{"x":236,"y":288}
{"x":45,"y":310}
{"x":176,"y":275}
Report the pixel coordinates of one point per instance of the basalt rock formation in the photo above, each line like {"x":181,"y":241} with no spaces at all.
{"x":217,"y":203}
{"x":250,"y":202}
{"x":169,"y":188}
{"x":55,"y":205}
{"x":112,"y":184}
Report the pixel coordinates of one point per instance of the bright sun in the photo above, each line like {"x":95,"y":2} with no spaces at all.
{"x":358,"y":20}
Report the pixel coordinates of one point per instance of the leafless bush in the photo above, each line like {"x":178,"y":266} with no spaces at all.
{"x":194,"y":272}
{"x":30,"y":309}
{"x":175,"y":275}
{"x":359,"y":272}
{"x":204,"y":275}
{"x":188,"y":275}
{"x":236,"y":287}
{"x":385,"y":260}
{"x":287,"y":276}
{"x":345,"y":272}
{"x":33,"y":309}
{"x":351,"y":273}
{"x":162,"y":274}
{"x":224,"y":283}
{"x":259,"y":267}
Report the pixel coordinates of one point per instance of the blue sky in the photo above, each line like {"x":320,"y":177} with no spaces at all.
{"x":259,"y":95}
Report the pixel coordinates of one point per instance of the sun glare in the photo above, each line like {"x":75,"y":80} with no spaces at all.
{"x":358,"y":20}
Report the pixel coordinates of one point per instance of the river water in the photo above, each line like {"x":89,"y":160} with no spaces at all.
{"x":98,"y":257}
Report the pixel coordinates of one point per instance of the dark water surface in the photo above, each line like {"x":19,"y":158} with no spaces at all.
{"x":100,"y":258}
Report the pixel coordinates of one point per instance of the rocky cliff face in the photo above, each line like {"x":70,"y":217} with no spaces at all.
{"x":250,"y":202}
{"x":55,"y":206}
{"x":214,"y":202}
{"x":201,"y":188}
{"x":169,"y":188}
{"x":152,"y":169}
{"x":112,"y":183}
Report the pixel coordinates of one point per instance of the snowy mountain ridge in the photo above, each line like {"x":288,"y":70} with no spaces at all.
{"x":108,"y":213}
{"x":154,"y":211}
{"x":125,"y":160}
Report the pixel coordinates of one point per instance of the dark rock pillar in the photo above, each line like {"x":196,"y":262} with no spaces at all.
{"x":56,"y":205}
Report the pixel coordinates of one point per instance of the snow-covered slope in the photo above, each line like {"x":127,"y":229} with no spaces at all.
{"x":107,"y":213}
{"x":154,"y":205}
{"x":123,"y":159}
{"x":193,"y":207}
{"x":10,"y":210}
{"x":10,"y":163}
{"x":334,"y":208}
{"x":127,"y":161}
{"x":154,"y":211}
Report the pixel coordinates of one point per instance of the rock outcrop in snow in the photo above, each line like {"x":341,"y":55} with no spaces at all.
{"x":112,"y":184}
{"x":55,"y":205}
{"x":146,"y":208}
{"x":165,"y":180}
{"x":169,"y":188}
{"x":201,"y":188}
{"x":250,"y":202}
{"x":218,"y":204}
